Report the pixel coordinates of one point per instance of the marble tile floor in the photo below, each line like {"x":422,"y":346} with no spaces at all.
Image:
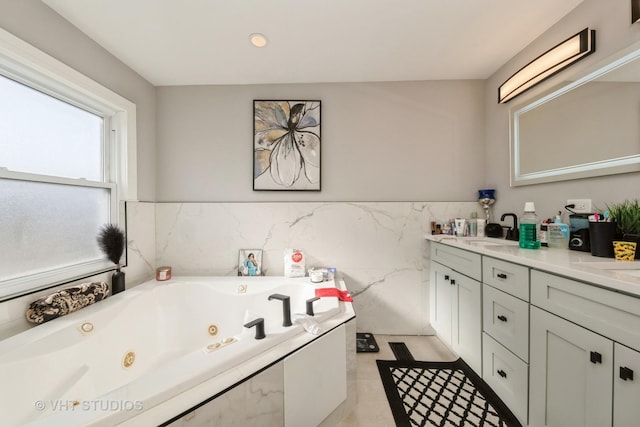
{"x":372,"y":407}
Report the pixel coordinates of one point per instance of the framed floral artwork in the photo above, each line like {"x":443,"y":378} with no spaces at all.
{"x":286,"y":145}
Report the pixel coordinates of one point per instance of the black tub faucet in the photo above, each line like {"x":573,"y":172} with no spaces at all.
{"x":512,"y":233}
{"x":259,"y":324}
{"x":310,"y":306}
{"x":286,"y":308}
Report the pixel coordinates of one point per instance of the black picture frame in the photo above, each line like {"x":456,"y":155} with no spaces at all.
{"x":287,"y":143}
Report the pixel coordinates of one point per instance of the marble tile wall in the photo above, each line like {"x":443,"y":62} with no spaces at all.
{"x":141,"y":242}
{"x":377,"y":247}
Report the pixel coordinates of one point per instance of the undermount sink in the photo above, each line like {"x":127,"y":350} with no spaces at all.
{"x":489,"y":242}
{"x":634,"y":273}
{"x":618,"y":267}
{"x":611,"y":265}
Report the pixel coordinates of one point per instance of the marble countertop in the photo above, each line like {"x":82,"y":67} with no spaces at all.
{"x":618,"y":276}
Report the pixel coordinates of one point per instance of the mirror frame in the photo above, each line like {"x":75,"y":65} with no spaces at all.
{"x":600,"y":167}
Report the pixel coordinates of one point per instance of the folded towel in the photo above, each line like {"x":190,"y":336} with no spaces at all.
{"x":66,"y":301}
{"x":334,"y":292}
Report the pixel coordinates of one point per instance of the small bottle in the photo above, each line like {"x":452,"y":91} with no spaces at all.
{"x":529,"y":228}
{"x":481,"y":224}
{"x":473,"y":224}
{"x":558,"y":235}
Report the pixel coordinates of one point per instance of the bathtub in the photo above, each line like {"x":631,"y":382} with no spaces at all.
{"x":136,"y":351}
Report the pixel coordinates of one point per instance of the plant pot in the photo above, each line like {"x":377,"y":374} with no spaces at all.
{"x":624,"y":251}
{"x":628,"y":237}
{"x":601,"y":237}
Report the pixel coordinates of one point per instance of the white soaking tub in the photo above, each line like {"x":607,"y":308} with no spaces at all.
{"x":122,"y":357}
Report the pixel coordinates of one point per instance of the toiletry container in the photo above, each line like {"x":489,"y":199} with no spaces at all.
{"x":473,"y":224}
{"x":529,"y":228}
{"x":461,"y":226}
{"x":558,"y":234}
{"x":480,"y":224}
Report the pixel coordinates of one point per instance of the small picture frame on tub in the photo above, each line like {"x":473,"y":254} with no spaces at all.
{"x":250,"y":262}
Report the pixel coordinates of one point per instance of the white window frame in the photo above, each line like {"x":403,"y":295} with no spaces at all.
{"x":24,"y":63}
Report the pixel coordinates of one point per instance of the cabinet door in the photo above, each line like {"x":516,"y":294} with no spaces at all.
{"x":467,"y":321}
{"x":315,"y":379}
{"x":571,"y":369}
{"x":626,"y":387}
{"x":440,"y":297}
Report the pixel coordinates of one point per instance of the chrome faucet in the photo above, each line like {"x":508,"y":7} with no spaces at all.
{"x":286,"y":308}
{"x":512,"y":232}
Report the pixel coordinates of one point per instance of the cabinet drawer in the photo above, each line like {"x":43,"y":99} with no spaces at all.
{"x":508,"y":277}
{"x":608,"y":313}
{"x":506,"y":319}
{"x":507,"y":375}
{"x":465,"y":262}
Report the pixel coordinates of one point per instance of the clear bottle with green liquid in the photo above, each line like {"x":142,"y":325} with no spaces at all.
{"x":529,"y":228}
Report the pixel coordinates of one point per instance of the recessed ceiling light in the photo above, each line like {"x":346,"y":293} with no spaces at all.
{"x":258,"y":40}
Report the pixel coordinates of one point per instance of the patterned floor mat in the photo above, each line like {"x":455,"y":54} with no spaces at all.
{"x":441,"y":394}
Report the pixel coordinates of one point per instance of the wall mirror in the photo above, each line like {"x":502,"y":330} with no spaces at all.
{"x":589,"y":126}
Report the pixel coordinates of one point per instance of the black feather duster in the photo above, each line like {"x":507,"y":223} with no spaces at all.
{"x":111,"y":242}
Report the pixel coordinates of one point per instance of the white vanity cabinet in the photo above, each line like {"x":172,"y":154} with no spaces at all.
{"x":505,"y":340}
{"x":583,"y":372}
{"x":455,"y":301}
{"x":560,"y":339}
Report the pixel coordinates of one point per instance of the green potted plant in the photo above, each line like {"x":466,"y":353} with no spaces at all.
{"x":626,"y":214}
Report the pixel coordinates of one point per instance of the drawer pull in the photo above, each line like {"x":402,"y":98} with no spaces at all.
{"x":502,"y":276}
{"x":446,"y":277}
{"x":595,"y":357}
{"x":502,"y":318}
{"x":626,"y":373}
{"x":502,"y":373}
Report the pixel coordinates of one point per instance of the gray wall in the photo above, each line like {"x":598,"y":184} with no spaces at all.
{"x":612,"y":21}
{"x":41,"y":27}
{"x":380,"y":141}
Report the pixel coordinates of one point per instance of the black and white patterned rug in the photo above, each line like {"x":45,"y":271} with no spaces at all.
{"x":441,"y":394}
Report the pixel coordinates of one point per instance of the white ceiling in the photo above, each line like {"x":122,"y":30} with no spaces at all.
{"x":191,"y":42}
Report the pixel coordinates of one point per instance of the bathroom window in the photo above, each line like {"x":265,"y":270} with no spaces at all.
{"x":66,"y":148}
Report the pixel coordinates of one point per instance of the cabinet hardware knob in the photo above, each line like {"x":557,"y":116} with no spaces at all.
{"x":595,"y":357}
{"x":502,"y":318}
{"x":453,"y":282}
{"x":446,"y":277}
{"x":502,"y":275}
{"x":502,"y":373}
{"x":626,"y":373}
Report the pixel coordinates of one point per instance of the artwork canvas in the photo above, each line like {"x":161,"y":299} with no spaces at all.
{"x":250,"y":262}
{"x":286,"y":145}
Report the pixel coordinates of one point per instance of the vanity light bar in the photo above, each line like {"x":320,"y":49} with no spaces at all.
{"x":547,"y":64}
